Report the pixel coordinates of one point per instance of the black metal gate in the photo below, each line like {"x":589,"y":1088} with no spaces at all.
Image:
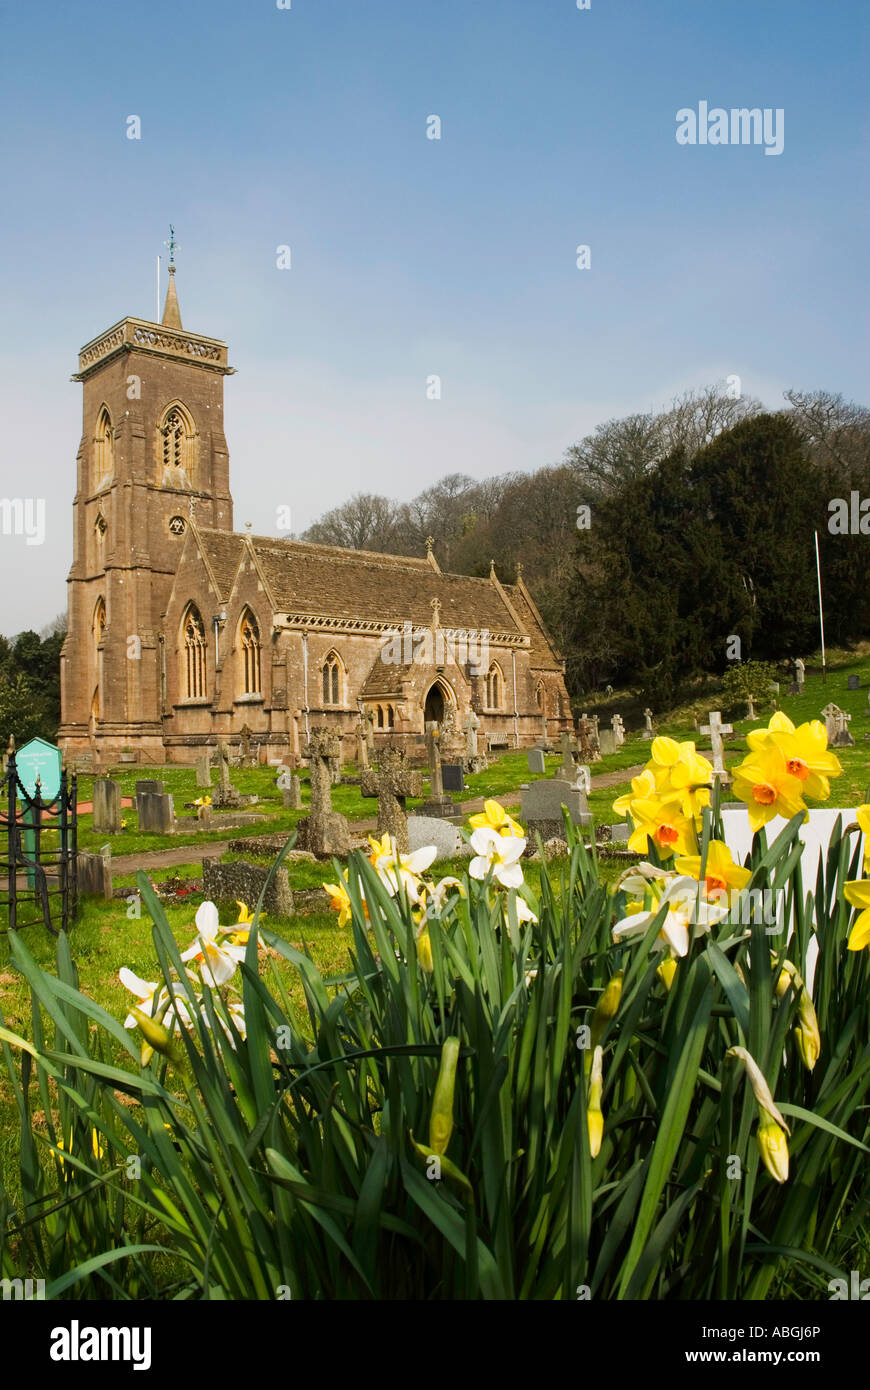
{"x":38,"y":839}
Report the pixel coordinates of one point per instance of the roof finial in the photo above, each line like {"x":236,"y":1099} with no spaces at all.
{"x":436,"y":612}
{"x":430,"y":541}
{"x":492,"y":569}
{"x":248,"y":526}
{"x":171,"y":311}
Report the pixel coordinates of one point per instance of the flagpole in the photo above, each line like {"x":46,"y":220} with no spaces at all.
{"x":821,"y":612}
{"x":157,"y":315}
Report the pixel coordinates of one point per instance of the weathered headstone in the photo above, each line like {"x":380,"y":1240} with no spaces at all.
{"x":750,"y":708}
{"x":618,"y":729}
{"x":648,"y":730}
{"x":429,"y":830}
{"x":362,"y":747}
{"x":717,"y":730}
{"x":537,"y":762}
{"x":94,"y":872}
{"x":837,"y":726}
{"x":799,"y":673}
{"x":392,"y":783}
{"x":156,"y":813}
{"x":542,"y":804}
{"x":226,"y":794}
{"x":242,"y":882}
{"x":567,"y":766}
{"x":587,"y":739}
{"x":245,"y":755}
{"x":854,"y":683}
{"x":149,"y":785}
{"x":107,"y":807}
{"x":607,"y":742}
{"x":583,"y":779}
{"x":475,"y":760}
{"x":323,"y":831}
{"x":203,"y":771}
{"x":438,"y":804}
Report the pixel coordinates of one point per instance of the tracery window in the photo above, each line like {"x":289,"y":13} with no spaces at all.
{"x":332,"y":679}
{"x":177,"y":448}
{"x":194,"y":649}
{"x":104,"y":449}
{"x":494,"y":687}
{"x":250,"y":646}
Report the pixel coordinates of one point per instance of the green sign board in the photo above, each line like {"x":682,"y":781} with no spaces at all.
{"x":39,"y":759}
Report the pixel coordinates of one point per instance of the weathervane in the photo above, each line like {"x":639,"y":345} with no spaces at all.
{"x":173,"y":246}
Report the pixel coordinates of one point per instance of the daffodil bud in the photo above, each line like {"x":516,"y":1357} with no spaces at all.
{"x":594,"y":1116}
{"x":809,"y":1039}
{"x":441,"y":1114}
{"x":773,"y":1146}
{"x":158,"y":1037}
{"x":666,"y":972}
{"x":606,"y":1009}
{"x":424,"y":951}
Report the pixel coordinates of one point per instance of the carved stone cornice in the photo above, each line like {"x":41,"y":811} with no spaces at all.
{"x":309,"y":622}
{"x":137,"y":335}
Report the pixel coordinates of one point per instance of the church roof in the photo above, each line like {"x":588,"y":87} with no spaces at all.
{"x":330,"y":584}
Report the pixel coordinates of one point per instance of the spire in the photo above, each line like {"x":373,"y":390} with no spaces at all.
{"x":171,"y":311}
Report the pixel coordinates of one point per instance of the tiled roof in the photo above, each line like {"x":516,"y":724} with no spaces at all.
{"x":223,"y":551}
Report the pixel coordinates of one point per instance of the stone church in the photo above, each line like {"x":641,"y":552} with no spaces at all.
{"x":183,"y":632}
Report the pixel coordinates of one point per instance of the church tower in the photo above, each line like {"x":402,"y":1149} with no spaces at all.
{"x":153,"y":453}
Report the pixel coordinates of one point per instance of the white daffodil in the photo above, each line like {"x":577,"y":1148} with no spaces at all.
{"x":688,"y":915}
{"x":217,"y":963}
{"x":435,"y":894}
{"x":154,"y":1000}
{"x":524,"y":912}
{"x":499,"y":853}
{"x":395,"y":869}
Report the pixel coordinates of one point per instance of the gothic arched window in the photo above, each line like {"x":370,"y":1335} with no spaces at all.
{"x":193,"y":646}
{"x":99,"y":620}
{"x":332,"y":680}
{"x":104,"y":450}
{"x":539,"y":695}
{"x":177,"y":448}
{"x":494,"y":687}
{"x":249,"y":640}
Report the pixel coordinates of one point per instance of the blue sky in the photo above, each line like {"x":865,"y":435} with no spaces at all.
{"x":411,"y":257}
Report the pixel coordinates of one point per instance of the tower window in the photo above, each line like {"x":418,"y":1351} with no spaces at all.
{"x":176,"y":525}
{"x":193,"y":638}
{"x":99,"y":621}
{"x":250,"y":643}
{"x":177,"y":448}
{"x":104,"y":461}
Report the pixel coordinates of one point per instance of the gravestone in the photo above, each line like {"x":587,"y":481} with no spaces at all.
{"x":323,"y":832}
{"x":203,"y":771}
{"x":452,"y":777}
{"x":648,"y":731}
{"x":583,"y":779}
{"x":621,"y":832}
{"x":475,"y":760}
{"x":246,"y":757}
{"x":242,"y":882}
{"x":837,"y":726}
{"x":156,"y":813}
{"x":717,"y":730}
{"x":537,"y":762}
{"x":94,"y":873}
{"x":107,"y":807}
{"x":567,"y":766}
{"x":149,"y":785}
{"x":226,"y":794}
{"x":799,"y":674}
{"x":290,"y":787}
{"x":428,"y":830}
{"x":392,"y":784}
{"x":544,"y":735}
{"x":854,"y":683}
{"x":618,"y":730}
{"x":607,"y":742}
{"x":588,"y":749}
{"x":542,"y":804}
{"x":362,"y":747}
{"x":438,"y":804}
{"x":750,"y":708}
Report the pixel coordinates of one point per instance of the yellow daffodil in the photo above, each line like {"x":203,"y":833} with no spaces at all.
{"x":594,"y":1116}
{"x":857,"y":894}
{"x":202,"y":801}
{"x":662,"y":823}
{"x":424,"y":950}
{"x":721,"y":874}
{"x":339,"y":900}
{"x":96,"y":1146}
{"x":679,"y":768}
{"x":666,"y":972}
{"x":764,"y":782}
{"x":244,"y":920}
{"x":805,"y":750}
{"x":495,"y":817}
{"x":397,"y":870}
{"x":642,"y":788}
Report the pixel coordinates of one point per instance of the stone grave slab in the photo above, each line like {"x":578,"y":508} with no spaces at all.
{"x":243,"y":882}
{"x":107,"y":806}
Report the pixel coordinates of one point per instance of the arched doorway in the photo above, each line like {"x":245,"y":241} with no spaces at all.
{"x":434,"y":709}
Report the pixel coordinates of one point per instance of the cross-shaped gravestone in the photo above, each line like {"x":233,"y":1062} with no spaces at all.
{"x":244,"y":744}
{"x":362,"y":747}
{"x":648,"y":731}
{"x":750,"y":708}
{"x":226,"y":794}
{"x":324,"y":831}
{"x":566,"y":769}
{"x":618,"y":729}
{"x":438,"y":804}
{"x":716,"y":729}
{"x":392,"y":783}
